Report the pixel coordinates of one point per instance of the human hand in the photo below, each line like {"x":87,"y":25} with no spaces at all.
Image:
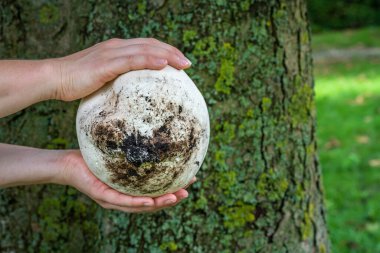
{"x":76,"y":173}
{"x":84,"y":72}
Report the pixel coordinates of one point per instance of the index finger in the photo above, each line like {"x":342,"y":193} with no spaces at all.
{"x":114,"y":197}
{"x":169,"y":47}
{"x":153,"y":41}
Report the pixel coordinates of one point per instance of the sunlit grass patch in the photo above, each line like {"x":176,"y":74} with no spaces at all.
{"x":348,"y":104}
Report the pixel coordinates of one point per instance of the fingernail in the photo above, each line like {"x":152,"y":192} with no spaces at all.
{"x":185,"y":62}
{"x":148,"y":204}
{"x":161,"y":61}
{"x":170,"y":201}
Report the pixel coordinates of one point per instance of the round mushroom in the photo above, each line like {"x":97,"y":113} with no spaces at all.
{"x":146,"y":133}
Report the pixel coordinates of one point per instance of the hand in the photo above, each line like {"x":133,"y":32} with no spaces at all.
{"x":26,"y":82}
{"x":84,"y":72}
{"x":76,"y":173}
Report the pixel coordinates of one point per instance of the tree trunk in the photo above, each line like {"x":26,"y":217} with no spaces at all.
{"x":259,"y":188}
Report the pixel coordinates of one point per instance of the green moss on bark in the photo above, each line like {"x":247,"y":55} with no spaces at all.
{"x":49,"y":14}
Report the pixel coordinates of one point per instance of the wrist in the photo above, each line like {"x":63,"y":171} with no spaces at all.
{"x":52,"y":70}
{"x":26,"y":82}
{"x":25,"y":165}
{"x":65,"y":162}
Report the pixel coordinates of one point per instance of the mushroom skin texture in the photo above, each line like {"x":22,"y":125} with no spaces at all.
{"x":146,"y":133}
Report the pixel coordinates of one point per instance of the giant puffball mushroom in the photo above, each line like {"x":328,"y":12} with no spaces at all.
{"x":146,"y":133}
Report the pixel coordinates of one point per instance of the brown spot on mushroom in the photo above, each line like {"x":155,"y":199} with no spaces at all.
{"x":139,"y":162}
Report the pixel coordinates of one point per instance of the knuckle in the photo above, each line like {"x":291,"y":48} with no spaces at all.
{"x":173,"y":49}
{"x":152,"y":63}
{"x":149,"y":60}
{"x":153,"y":40}
{"x":112,"y":42}
{"x":146,"y":62}
{"x":168,"y":52}
{"x":173,"y":54}
{"x":94,"y":194}
{"x":130,"y":59}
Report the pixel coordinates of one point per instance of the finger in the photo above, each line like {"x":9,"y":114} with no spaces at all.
{"x":110,"y":206}
{"x":162,"y":203}
{"x":192,"y":181}
{"x":174,"y":60}
{"x":124,"y":64}
{"x":161,"y":44}
{"x":117,"y":43}
{"x":126,"y":209}
{"x":111,"y":196}
{"x":165,"y":200}
{"x":156,"y":42}
{"x":179,"y":199}
{"x":181,"y":194}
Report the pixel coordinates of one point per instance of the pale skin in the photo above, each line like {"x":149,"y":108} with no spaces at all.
{"x":26,"y":82}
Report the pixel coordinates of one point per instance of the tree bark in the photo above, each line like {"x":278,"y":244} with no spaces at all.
{"x":260,"y":186}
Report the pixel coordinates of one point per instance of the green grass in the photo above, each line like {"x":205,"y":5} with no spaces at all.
{"x":366,"y":37}
{"x":348,"y":104}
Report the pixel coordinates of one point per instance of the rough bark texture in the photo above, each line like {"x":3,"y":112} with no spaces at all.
{"x":259,"y":189}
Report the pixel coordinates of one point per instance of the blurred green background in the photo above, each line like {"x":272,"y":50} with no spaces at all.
{"x":346,"y":48}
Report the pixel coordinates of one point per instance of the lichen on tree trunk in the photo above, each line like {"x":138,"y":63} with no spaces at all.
{"x":259,"y":188}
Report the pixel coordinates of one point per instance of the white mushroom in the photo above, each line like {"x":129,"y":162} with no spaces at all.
{"x":146,"y":133}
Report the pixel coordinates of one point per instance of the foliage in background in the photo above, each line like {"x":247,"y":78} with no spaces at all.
{"x":358,"y":38}
{"x":338,"y":14}
{"x":348,"y":95}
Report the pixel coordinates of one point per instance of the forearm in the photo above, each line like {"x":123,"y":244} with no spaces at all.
{"x":23,"y":83}
{"x":23,"y":165}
